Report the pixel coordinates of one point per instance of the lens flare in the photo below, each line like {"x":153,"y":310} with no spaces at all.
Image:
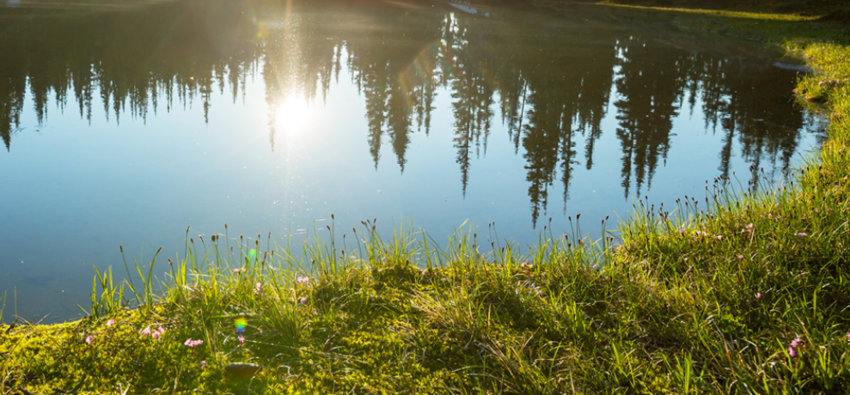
{"x":241,"y":323}
{"x":252,"y":254}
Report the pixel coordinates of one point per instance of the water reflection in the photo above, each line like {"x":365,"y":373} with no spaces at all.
{"x":552,"y":82}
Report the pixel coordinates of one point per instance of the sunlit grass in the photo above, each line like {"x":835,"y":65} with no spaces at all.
{"x":784,"y":29}
{"x":721,"y":13}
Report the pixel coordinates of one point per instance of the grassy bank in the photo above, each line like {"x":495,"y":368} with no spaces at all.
{"x":740,"y":290}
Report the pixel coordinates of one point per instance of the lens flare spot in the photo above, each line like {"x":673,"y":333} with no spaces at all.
{"x":241,"y":323}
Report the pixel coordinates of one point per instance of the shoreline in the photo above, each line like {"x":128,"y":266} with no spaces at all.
{"x":749,"y":295}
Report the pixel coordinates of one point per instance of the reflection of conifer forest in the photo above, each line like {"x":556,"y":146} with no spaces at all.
{"x":551,"y":82}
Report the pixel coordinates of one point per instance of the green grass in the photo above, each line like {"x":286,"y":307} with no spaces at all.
{"x":704,"y":297}
{"x":719,"y":13}
{"x":790,"y":30}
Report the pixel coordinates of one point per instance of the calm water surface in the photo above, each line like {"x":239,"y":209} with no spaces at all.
{"x":124,"y":126}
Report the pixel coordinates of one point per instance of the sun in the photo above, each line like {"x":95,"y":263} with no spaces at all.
{"x":293,"y":115}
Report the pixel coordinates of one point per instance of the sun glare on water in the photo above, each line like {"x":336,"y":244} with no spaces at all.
{"x":293,"y":116}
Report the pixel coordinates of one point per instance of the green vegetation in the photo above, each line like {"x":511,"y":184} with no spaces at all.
{"x":793,"y":31}
{"x":742,"y":290}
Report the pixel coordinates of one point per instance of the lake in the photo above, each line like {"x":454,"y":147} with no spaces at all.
{"x":123,"y":123}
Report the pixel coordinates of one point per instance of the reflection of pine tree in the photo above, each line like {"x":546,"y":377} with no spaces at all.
{"x":394,"y":65}
{"x":552,"y":88}
{"x":472,"y":118}
{"x":376,"y":92}
{"x":650,"y":87}
{"x":472,"y":113}
{"x":13,"y":77}
{"x":549,"y":134}
{"x":598,"y":75}
{"x":82,"y":79}
{"x":765,"y":128}
{"x":543,"y":135}
{"x":512,"y":92}
{"x":567,"y":161}
{"x":471,"y":93}
{"x":551,"y":85}
{"x":129,"y":57}
{"x":425,"y":92}
{"x":513,"y":88}
{"x":398,"y":118}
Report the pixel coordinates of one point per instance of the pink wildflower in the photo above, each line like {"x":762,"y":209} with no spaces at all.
{"x":89,"y":339}
{"x":146,"y":332}
{"x":259,"y":287}
{"x":161,"y":330}
{"x":239,"y":270}
{"x":241,"y":341}
{"x":203,"y":364}
{"x":719,"y":237}
{"x":525,"y":264}
{"x":110,"y":323}
{"x":797,"y":342}
{"x":302,"y":300}
{"x":800,"y":234}
{"x":192,"y":343}
{"x":686,"y":259}
{"x":848,"y":336}
{"x":758,"y":295}
{"x":740,"y":256}
{"x":156,"y":335}
{"x":302,"y":279}
{"x":791,"y":352}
